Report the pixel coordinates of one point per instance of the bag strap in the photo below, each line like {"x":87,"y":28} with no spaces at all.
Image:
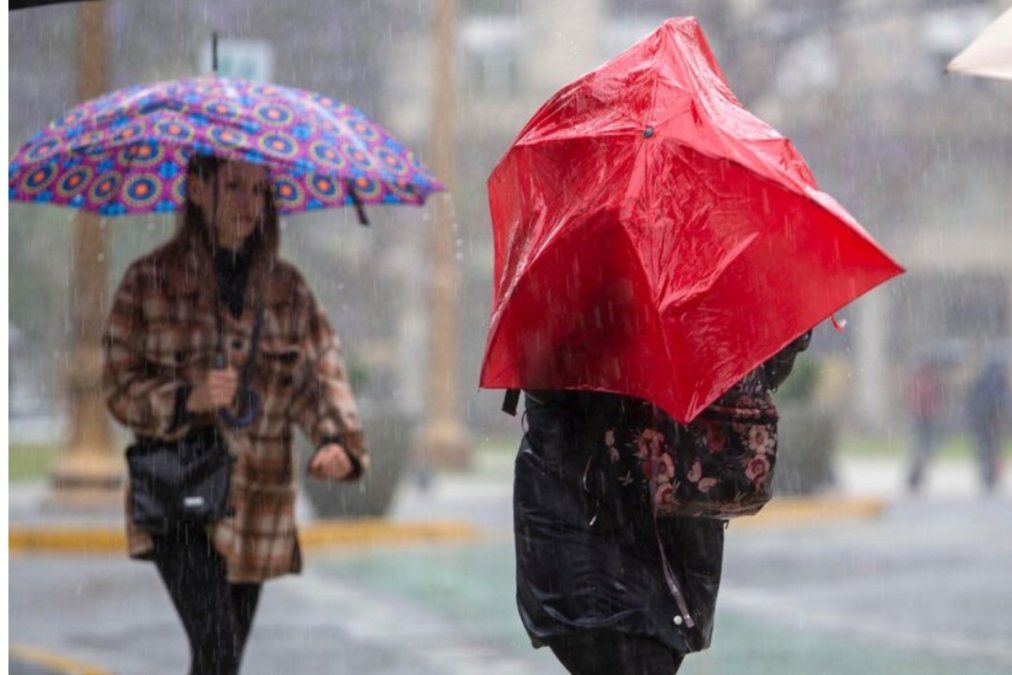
{"x":669,"y":574}
{"x":244,"y":394}
{"x":509,"y":402}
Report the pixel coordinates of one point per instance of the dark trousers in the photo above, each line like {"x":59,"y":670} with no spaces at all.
{"x":988,"y":437}
{"x":608,"y":652}
{"x":216,"y":614}
{"x":926,"y":437}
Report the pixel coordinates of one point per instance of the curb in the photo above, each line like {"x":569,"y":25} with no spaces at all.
{"x":43,"y":660}
{"x":100,"y":539}
{"x":779,"y":513}
{"x":808,"y":511}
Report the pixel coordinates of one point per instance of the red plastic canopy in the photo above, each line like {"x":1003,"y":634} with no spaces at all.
{"x":655,"y":239}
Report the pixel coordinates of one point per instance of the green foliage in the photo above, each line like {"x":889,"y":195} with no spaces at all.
{"x":358,"y":371}
{"x":31,"y":461}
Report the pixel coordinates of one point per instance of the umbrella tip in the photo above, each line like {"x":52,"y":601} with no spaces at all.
{"x":214,"y":52}
{"x":648,"y":132}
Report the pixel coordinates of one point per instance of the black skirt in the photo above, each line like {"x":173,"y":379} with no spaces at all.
{"x":587,"y":549}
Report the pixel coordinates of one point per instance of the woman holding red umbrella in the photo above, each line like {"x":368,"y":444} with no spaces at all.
{"x":661,"y":255}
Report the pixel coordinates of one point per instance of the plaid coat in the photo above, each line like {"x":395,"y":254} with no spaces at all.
{"x":160,"y":338}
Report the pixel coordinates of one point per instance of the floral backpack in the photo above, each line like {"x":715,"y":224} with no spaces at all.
{"x":718,"y":466}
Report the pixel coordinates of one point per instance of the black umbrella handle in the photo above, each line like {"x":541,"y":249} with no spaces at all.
{"x":363,"y":220}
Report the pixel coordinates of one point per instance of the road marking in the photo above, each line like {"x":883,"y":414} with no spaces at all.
{"x":53,"y":661}
{"x":367,"y":532}
{"x":803,"y":511}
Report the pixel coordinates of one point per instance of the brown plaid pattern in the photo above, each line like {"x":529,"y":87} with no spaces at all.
{"x":161,"y":335}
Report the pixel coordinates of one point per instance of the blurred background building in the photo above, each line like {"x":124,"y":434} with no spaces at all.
{"x":922,"y":159}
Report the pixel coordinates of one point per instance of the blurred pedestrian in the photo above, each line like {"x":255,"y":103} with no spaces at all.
{"x":987,"y":413}
{"x":925,"y":401}
{"x":213,"y":340}
{"x":593,"y":556}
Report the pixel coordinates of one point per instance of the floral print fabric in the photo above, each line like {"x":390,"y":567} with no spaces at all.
{"x":719,"y":466}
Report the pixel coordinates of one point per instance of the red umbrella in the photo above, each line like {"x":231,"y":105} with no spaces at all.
{"x":655,"y":239}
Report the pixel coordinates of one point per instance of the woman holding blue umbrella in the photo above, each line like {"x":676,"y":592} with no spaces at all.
{"x":215,"y":346}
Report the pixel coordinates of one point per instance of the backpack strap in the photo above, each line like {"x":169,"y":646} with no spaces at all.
{"x":510,"y":401}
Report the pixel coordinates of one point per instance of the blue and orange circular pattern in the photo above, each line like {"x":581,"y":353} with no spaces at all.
{"x":73,"y":117}
{"x":327,"y":154}
{"x":178,"y":189}
{"x":362,"y":159}
{"x":141,"y":155}
{"x":266,"y":90}
{"x":365,"y":130}
{"x":42,"y":149}
{"x":222,"y":109}
{"x":278,"y":144}
{"x":129,"y":133}
{"x":127,"y":152}
{"x":105,"y":187}
{"x":87,"y":139}
{"x":177,"y":130}
{"x":75,"y":182}
{"x":142,"y":191}
{"x":288,"y":193}
{"x":272,"y":113}
{"x":39,"y":179}
{"x":227,"y":138}
{"x":391,"y":160}
{"x":403,"y":192}
{"x":367,"y":189}
{"x":324,"y":188}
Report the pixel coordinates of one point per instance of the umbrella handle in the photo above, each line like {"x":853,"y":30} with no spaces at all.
{"x":214,"y":52}
{"x":251,"y":409}
{"x":248,"y":415}
{"x":359,"y":208}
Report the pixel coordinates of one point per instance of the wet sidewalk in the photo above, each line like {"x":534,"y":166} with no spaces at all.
{"x":922,"y":588}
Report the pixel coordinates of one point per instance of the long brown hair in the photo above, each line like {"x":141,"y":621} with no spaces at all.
{"x":266,"y":237}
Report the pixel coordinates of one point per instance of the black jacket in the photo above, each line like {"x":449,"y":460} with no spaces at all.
{"x":572,"y":574}
{"x":588,"y":550}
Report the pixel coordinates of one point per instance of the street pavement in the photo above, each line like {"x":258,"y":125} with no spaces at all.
{"x":924,"y":589}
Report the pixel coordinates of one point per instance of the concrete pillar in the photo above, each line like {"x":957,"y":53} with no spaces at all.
{"x":90,"y":471}
{"x":443,"y":440}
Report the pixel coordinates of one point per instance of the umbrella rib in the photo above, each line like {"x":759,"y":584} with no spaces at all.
{"x":533,"y":258}
{"x":644,"y":148}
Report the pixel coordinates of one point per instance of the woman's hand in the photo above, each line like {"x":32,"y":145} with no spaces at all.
{"x":331,"y":462}
{"x":217,"y":391}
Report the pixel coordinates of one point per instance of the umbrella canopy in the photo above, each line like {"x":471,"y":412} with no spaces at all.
{"x":126,"y":152}
{"x":990,"y":55}
{"x":654,"y":239}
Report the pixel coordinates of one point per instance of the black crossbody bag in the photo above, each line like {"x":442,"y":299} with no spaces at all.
{"x":178,"y":483}
{"x":186,"y":482}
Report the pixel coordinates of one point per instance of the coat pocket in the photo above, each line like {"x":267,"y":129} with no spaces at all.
{"x":281,"y":363}
{"x":178,"y":345}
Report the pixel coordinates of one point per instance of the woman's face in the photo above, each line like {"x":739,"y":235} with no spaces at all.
{"x":242,"y":188}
